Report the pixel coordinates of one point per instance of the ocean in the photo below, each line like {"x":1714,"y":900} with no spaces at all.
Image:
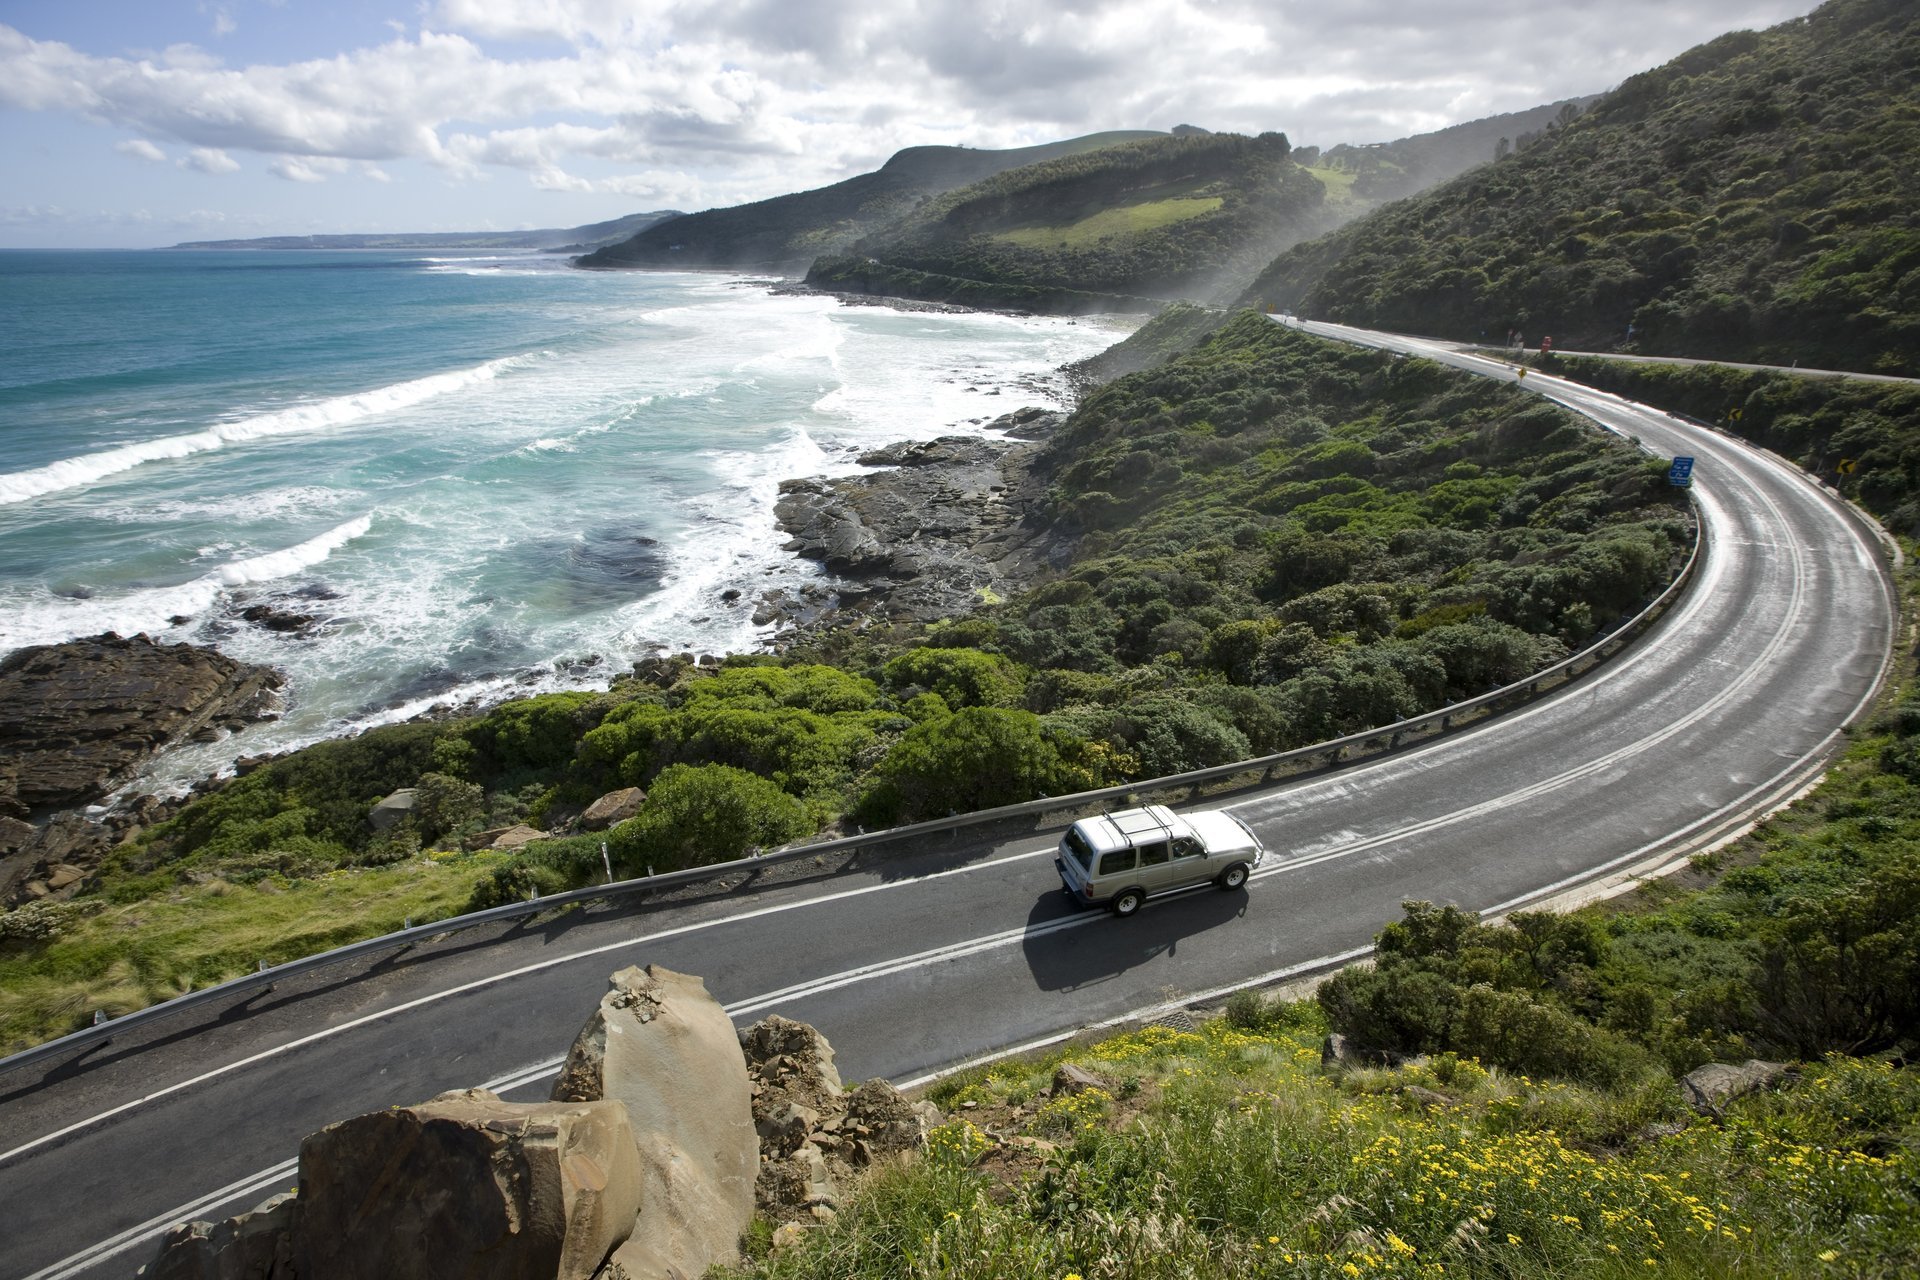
{"x":476,"y":472}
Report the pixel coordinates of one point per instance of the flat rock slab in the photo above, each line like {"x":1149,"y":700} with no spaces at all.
{"x":79,"y":718}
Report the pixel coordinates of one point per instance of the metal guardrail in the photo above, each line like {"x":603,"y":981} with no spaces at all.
{"x":1335,"y":751}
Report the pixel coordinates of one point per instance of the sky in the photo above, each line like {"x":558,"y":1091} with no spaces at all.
{"x":134,"y":123}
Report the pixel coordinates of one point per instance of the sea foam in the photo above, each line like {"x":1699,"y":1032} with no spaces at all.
{"x":74,"y":473}
{"x":51,"y":619}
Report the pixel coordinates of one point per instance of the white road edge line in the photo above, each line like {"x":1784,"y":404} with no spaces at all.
{"x":98,"y":1253}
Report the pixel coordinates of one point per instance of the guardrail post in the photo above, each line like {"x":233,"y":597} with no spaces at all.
{"x":99,"y":1017}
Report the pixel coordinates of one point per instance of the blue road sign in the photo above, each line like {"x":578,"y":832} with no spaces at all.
{"x":1682,"y":472}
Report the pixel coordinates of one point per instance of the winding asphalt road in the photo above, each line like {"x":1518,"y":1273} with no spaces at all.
{"x":1730,"y":706}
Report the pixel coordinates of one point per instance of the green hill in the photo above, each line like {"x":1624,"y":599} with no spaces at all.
{"x":788,"y":232}
{"x":1186,"y":216}
{"x":1755,"y":198}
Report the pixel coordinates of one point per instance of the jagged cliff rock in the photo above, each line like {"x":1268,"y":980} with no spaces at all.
{"x":816,"y":1138}
{"x":665,"y":1049}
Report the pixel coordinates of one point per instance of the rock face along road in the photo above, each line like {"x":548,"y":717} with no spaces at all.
{"x":1726,"y":708}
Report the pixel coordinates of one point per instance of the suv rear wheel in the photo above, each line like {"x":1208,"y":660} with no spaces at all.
{"x":1128,"y":901}
{"x":1233,"y":877}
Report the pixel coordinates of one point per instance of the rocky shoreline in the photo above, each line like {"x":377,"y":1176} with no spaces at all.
{"x":936,"y":529}
{"x":81,"y":718}
{"x":933,"y":530}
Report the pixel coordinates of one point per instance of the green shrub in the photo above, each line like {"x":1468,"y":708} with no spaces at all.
{"x":518,"y":881}
{"x":701,"y":814}
{"x":977,"y":758}
{"x":963,"y":677}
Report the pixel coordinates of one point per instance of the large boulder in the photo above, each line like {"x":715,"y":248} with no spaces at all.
{"x":1708,"y":1089}
{"x":468,"y":1185}
{"x":613,"y":807}
{"x":79,"y":718}
{"x":394,"y":809}
{"x":666,"y":1049}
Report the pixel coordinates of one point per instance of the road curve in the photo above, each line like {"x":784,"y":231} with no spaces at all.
{"x":1727,"y":708}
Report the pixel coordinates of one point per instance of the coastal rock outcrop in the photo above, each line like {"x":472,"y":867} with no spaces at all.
{"x":1708,"y":1089}
{"x":665,"y":1049}
{"x":947,"y":523}
{"x":77,"y":719}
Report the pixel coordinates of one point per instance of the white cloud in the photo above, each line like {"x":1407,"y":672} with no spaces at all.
{"x":209,"y":160}
{"x":310,"y":169}
{"x":724,"y":100}
{"x":140,"y":148}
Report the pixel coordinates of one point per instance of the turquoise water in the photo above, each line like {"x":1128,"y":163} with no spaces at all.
{"x":476,"y":470}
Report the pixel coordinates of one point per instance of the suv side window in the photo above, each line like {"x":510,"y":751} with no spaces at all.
{"x":1187,"y":847}
{"x":1153,"y":855}
{"x":1117,"y":861}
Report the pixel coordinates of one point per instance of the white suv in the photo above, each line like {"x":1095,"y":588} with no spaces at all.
{"x":1119,"y":858}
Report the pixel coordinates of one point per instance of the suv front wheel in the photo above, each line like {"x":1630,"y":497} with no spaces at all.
{"x":1128,"y":901}
{"x":1233,"y":877}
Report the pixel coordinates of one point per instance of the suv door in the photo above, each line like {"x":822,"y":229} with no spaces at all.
{"x":1114,"y":872}
{"x":1156,"y":869}
{"x":1190,"y":862}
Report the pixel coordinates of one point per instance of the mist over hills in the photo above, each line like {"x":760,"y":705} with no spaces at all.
{"x":1753,"y":199}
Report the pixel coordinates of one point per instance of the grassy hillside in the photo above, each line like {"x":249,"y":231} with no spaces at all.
{"x":787,"y":233}
{"x":1755,"y":199}
{"x":1189,"y":216}
{"x":1279,"y":540}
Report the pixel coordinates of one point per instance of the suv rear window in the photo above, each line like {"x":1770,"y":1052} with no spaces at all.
{"x":1076,"y":845}
{"x":1116,"y":861}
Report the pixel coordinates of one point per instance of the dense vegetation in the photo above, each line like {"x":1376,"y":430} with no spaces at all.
{"x":1382,"y":171}
{"x":1280,"y":540}
{"x":1755,"y":198}
{"x":1191,"y":215}
{"x":786,"y":233}
{"x":1861,"y":437}
{"x":1227,"y":1151}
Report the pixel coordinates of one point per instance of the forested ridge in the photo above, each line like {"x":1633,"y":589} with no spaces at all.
{"x":1754,"y":199}
{"x":785,"y":233}
{"x":1186,"y":216}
